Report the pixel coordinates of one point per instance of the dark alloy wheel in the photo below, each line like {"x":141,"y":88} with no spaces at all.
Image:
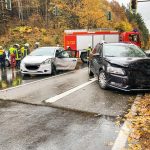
{"x":102,"y":80}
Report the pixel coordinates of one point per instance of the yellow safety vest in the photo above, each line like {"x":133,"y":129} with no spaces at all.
{"x":18,"y":54}
{"x":89,"y":49}
{"x":24,"y":51}
{"x":12,"y":50}
{"x":1,"y":52}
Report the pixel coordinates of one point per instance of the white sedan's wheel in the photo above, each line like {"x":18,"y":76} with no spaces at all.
{"x":102,"y":80}
{"x":89,"y":71}
{"x":54,"y":71}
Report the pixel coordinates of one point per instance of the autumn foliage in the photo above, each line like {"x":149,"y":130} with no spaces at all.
{"x":139,"y":138}
{"x":36,"y":21}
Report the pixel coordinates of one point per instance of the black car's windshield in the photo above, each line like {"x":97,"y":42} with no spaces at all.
{"x":43,"y":51}
{"x":122,"y":51}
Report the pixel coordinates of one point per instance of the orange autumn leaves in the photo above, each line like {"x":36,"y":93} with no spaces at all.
{"x":139,"y":138}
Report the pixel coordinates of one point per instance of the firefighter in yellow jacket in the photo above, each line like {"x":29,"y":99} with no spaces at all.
{"x":12,"y":55}
{"x":18,"y":55}
{"x":2,"y":57}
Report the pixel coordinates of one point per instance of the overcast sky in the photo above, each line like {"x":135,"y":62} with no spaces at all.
{"x":143,"y":9}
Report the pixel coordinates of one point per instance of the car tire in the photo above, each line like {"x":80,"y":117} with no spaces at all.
{"x":90,"y":73}
{"x":25,"y":75}
{"x":7,"y":64}
{"x":84,"y":57}
{"x":102,"y":80}
{"x":54,"y":71}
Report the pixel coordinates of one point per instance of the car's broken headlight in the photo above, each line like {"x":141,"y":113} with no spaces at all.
{"x":116,"y":70}
{"x":48,"y":61}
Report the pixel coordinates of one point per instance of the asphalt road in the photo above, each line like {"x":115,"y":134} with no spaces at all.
{"x":12,"y":77}
{"x":67,"y":111}
{"x":27,"y":127}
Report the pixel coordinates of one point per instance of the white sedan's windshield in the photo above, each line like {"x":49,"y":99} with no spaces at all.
{"x":122,"y":51}
{"x":44,"y":51}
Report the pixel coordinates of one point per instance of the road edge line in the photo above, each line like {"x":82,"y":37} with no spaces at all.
{"x":122,"y":137}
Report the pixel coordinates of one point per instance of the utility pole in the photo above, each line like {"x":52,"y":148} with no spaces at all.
{"x":20,"y":10}
{"x":46,"y":13}
{"x":3,"y":16}
{"x":3,"y":11}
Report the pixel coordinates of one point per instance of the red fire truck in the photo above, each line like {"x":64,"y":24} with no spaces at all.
{"x":81,"y":39}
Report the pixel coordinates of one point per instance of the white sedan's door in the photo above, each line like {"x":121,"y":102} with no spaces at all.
{"x":64,"y":61}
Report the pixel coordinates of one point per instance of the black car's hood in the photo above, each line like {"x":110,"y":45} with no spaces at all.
{"x":125,"y":61}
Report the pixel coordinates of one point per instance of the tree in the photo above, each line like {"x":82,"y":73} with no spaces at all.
{"x":137,"y":21}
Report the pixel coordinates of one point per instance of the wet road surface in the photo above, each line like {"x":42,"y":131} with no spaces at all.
{"x":13,"y":77}
{"x":72,"y":124}
{"x":27,"y":127}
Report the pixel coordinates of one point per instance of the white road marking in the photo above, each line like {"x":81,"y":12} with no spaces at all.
{"x":57,"y":97}
{"x":122,"y":137}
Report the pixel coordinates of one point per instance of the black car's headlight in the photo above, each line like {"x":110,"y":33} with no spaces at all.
{"x":48,"y":61}
{"x":115,"y":70}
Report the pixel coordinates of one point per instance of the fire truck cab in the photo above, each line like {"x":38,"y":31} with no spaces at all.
{"x":80,"y":39}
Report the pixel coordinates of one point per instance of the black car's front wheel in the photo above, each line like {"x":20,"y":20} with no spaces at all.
{"x":102,"y":80}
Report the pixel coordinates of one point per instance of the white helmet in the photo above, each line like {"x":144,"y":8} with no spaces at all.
{"x":102,"y":42}
{"x":37,"y":43}
{"x":27,"y":44}
{"x":17,"y":45}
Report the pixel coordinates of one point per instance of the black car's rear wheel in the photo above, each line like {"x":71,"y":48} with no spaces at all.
{"x":102,"y":80}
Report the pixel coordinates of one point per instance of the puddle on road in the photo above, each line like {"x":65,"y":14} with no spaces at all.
{"x":10,"y":78}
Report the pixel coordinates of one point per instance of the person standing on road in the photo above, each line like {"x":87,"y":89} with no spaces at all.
{"x":12,"y":55}
{"x":89,"y":50}
{"x":18,"y":56}
{"x":68,"y":48}
{"x":2,"y":57}
{"x":25,"y":50}
{"x":36,"y":45}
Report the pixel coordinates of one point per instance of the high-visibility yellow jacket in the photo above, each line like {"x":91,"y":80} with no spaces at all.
{"x":12,"y":50}
{"x":2,"y":54}
{"x":89,"y":49}
{"x":18,"y":54}
{"x":24,"y":51}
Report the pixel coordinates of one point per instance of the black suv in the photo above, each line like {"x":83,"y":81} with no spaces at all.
{"x":120,"y":65}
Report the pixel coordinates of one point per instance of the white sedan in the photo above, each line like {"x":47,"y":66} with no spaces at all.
{"x":47,"y":60}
